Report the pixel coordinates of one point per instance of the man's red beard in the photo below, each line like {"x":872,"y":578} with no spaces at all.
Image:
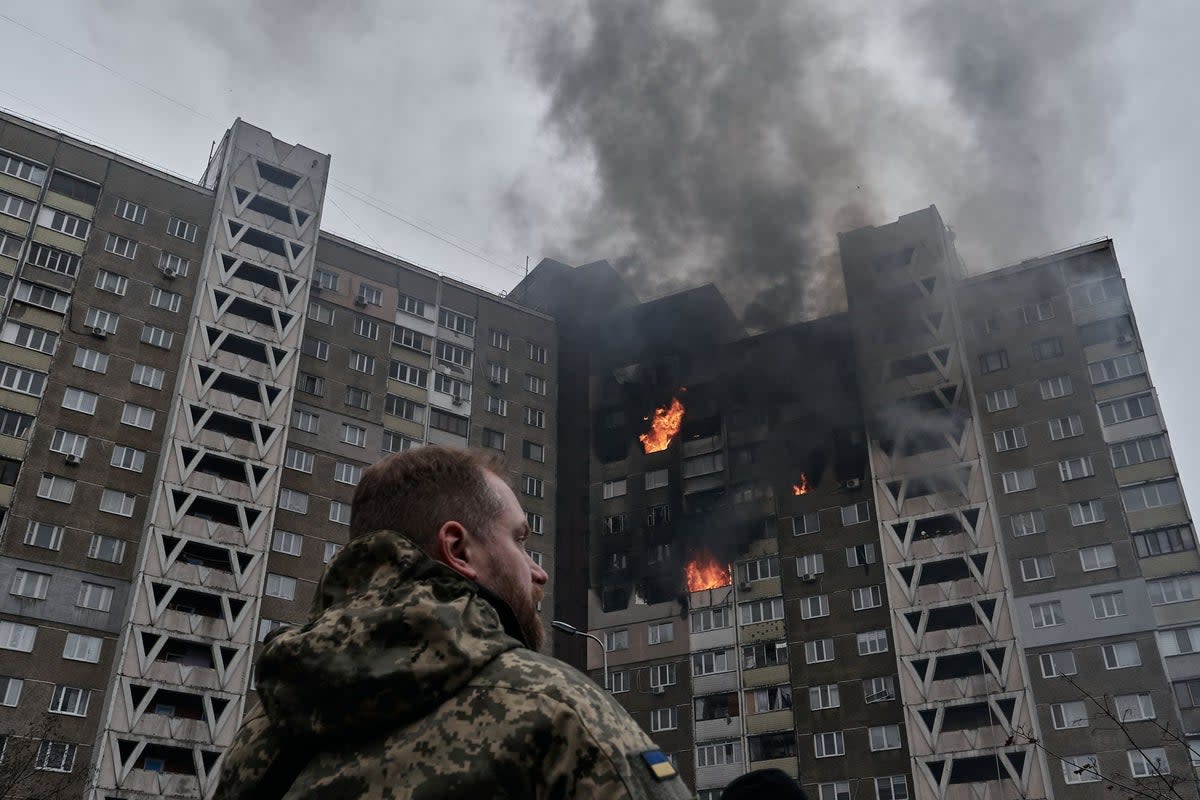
{"x":524,"y":607}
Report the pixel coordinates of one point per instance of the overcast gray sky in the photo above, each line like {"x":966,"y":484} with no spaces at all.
{"x":685,"y":140}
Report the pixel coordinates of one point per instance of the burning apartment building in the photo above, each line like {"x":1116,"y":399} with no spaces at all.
{"x":934,"y":546}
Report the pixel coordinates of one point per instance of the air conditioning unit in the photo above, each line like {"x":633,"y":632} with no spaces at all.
{"x":73,"y":459}
{"x":745,"y":586}
{"x":657,"y":690}
{"x":170,"y":273}
{"x":100,"y":333}
{"x":1125,"y":338}
{"x":808,"y":577}
{"x":360,"y":301}
{"x":458,"y":401}
{"x":854,"y":483}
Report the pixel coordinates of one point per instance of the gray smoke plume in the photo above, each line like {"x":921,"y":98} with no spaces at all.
{"x":731,"y":141}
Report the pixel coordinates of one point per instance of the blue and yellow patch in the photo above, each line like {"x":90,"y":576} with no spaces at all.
{"x":659,"y":766}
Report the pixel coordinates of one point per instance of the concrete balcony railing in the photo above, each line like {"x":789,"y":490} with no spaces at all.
{"x":707,"y":730}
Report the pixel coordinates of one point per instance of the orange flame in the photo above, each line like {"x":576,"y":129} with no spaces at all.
{"x":663,"y":427}
{"x":802,"y":487}
{"x":704,"y":572}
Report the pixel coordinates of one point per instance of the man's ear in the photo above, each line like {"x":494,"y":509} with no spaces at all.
{"x":456,"y":548}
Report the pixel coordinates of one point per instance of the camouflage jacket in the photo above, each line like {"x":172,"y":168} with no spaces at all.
{"x":405,"y":684}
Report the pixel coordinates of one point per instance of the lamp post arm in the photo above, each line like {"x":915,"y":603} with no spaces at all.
{"x":603,"y":652}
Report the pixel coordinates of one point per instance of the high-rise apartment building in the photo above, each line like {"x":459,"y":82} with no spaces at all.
{"x":192,"y":378}
{"x":950,"y":553}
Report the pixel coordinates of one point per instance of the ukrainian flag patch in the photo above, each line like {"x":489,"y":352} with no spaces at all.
{"x":659,"y":766}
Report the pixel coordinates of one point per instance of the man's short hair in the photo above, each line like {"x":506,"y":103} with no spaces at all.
{"x":419,"y":490}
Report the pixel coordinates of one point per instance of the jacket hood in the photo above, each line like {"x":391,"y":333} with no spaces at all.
{"x":392,"y":635}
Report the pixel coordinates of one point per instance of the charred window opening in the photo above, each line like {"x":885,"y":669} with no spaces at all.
{"x":275,"y":175}
{"x":977,"y":769}
{"x":192,"y":602}
{"x":165,"y":758}
{"x":893,"y":260}
{"x":225,"y":424}
{"x":971,"y":715}
{"x":951,"y":569}
{"x":959,"y":665}
{"x":614,"y":598}
{"x":1118,"y":329}
{"x":940,"y":525}
{"x":658,"y":590}
{"x":208,"y":509}
{"x":717,"y":706}
{"x":222,"y":467}
{"x":253,"y":312}
{"x":190,"y":654}
{"x":241,"y":346}
{"x":947,"y":617}
{"x":772,"y":745}
{"x":180,"y":705}
{"x":202,"y":555}
{"x":910,"y":366}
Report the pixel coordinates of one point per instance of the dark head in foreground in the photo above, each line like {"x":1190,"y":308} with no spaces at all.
{"x":764,"y":784}
{"x":416,"y":675}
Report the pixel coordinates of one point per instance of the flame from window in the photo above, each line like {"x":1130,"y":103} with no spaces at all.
{"x":705,"y":572}
{"x":802,"y":487}
{"x":663,"y":427}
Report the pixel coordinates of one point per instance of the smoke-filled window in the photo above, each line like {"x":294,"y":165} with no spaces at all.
{"x":993,"y":361}
{"x":1036,"y":312}
{"x":1050,"y":347}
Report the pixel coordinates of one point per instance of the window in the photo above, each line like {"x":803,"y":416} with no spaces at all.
{"x":412,"y":340}
{"x":827,"y":745}
{"x":82,"y":648}
{"x":816,"y":605}
{"x":497,"y":406}
{"x":27,"y":583}
{"x":10,"y":246}
{"x":1037,"y":312}
{"x":1151,"y":495}
{"x":1047,"y":348}
{"x":1048,"y":614}
{"x":339,"y":513}
{"x":1121,"y":655}
{"x":1100,"y":556}
{"x":56,"y":488}
{"x":1066,"y":427}
{"x":1115,"y":369}
{"x":892,"y":787}
{"x":91,"y":360}
{"x":94,"y":596}
{"x":768,"y":654}
{"x":23,"y":381}
{"x":54,"y":260}
{"x":1011,"y":439}
{"x":44,"y":535}
{"x":55,"y":756}
{"x":118,"y":246}
{"x":20,"y":168}
{"x":499,"y":339}
{"x":457,"y":389}
{"x":616,"y":640}
{"x":326,"y":279}
{"x":537,"y":353}
{"x":872,"y":642}
{"x":1069,"y":715}
{"x":1060,"y":662}
{"x":866,"y":597}
{"x":1166,"y":591}
{"x":497,"y":373}
{"x":535,"y":384}
{"x":860,"y":555}
{"x":106,"y":548}
{"x":181,"y":229}
{"x":1018,"y":480}
{"x":1053,"y":388}
{"x":710,"y":619}
{"x":452,"y":354}
{"x":810,"y":565}
{"x":357,"y":398}
{"x":761,"y":610}
{"x":664,"y":719}
{"x":879,"y":690}
{"x":1176,"y":539}
{"x":10,"y":693}
{"x":366,"y":328}
{"x":306,"y":421}
{"x":618,"y":682}
{"x":533,"y":451}
{"x":759,"y":569}
{"x":1126,"y":408}
{"x":1037,"y":568}
{"x":137,"y":416}
{"x":1148,"y":761}
{"x":712,"y":755}
{"x":68,"y":443}
{"x":292,"y":500}
{"x":331,"y":550}
{"x":403,"y":408}
{"x":347,"y":473}
{"x":660,"y":674}
{"x":656,"y":479}
{"x":451,"y":423}
{"x":18,"y":207}
{"x":354,"y":435}
{"x":299,"y":460}
{"x":1139,"y":451}
{"x":856,"y":513}
{"x":280,"y":586}
{"x":170,"y":264}
{"x":407,"y":373}
{"x":1108,"y":605}
{"x":371,"y":295}
{"x":69,"y":224}
{"x":818,"y":650}
{"x":1134,"y":707}
{"x":119,"y":503}
{"x":1086,"y":512}
{"x":319,"y":312}
{"x":884,"y":737}
{"x":1000,"y":399}
{"x":167,"y":301}
{"x":397,"y":443}
{"x":287,"y":542}
{"x":1096,"y":292}
{"x":147,"y":376}
{"x":821,"y":697}
{"x":42,"y":296}
{"x":457,"y":322}
{"x":711,"y":662}
{"x":1072,"y":469}
{"x":660,"y":633}
{"x":536,"y":522}
{"x":1080,"y":769}
{"x":411,"y":305}
{"x":806,"y":523}
{"x":15,"y":636}
{"x":157,"y":337}
{"x":33,"y":338}
{"x":993,"y":361}
{"x":614,"y":488}
{"x":100,"y":320}
{"x":616,"y":523}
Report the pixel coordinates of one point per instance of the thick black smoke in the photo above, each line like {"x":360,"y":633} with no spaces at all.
{"x":731,"y":141}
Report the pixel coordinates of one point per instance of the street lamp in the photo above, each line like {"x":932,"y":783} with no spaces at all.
{"x":571,"y":630}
